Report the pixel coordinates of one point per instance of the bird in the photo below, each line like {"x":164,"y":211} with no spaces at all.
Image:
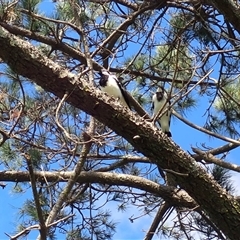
{"x":160,"y":103}
{"x":110,"y":84}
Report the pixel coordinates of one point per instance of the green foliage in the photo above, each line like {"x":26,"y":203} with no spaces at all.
{"x":30,"y":5}
{"x":173,"y":62}
{"x":186,"y":104}
{"x":6,"y":152}
{"x":36,"y":157}
{"x":226,"y":105}
{"x":65,"y":11}
{"x":76,"y":234}
{"x":30,"y":210}
{"x":223,"y":177}
{"x":10,"y":157}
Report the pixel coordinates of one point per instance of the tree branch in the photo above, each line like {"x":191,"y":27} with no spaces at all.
{"x":160,"y":214}
{"x":176,"y":197}
{"x":208,"y":157}
{"x":219,"y":150}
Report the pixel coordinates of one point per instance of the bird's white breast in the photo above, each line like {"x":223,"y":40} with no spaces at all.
{"x":158,"y":104}
{"x":112,"y":88}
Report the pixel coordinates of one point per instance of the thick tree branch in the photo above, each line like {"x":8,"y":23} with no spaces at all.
{"x":171,"y":194}
{"x":78,"y":55}
{"x":230,"y":10}
{"x":51,"y":42}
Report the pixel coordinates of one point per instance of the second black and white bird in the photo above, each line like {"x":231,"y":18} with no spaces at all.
{"x":110,"y":85}
{"x":160,"y":103}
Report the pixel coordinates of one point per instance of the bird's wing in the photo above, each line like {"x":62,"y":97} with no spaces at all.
{"x":169,"y":112}
{"x":152,"y":107}
{"x":170,"y":115}
{"x":123,"y":91}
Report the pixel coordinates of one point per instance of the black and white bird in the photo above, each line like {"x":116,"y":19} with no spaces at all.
{"x":160,"y":103}
{"x":111,"y":85}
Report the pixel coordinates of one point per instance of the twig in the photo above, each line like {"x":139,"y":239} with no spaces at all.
{"x":74,"y":27}
{"x":210,"y":223}
{"x":175,"y":173}
{"x":58,"y":123}
{"x":160,"y":113}
{"x":35,"y":227}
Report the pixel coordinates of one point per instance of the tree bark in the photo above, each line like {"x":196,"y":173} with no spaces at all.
{"x":230,"y":10}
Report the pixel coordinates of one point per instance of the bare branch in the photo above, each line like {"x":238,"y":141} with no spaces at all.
{"x":168,"y":193}
{"x":208,"y":157}
{"x":216,"y":135}
{"x":159,"y":216}
{"x":42,"y":229}
{"x":216,"y":151}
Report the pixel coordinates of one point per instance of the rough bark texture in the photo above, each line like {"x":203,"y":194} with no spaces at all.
{"x":27,"y":61}
{"x":230,"y":10}
{"x":169,"y":194}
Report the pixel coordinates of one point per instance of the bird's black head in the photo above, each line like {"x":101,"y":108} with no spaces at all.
{"x":103,"y":78}
{"x":160,"y":93}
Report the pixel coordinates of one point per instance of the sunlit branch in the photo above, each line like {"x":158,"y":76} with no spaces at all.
{"x":168,"y":193}
{"x":27,"y":230}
